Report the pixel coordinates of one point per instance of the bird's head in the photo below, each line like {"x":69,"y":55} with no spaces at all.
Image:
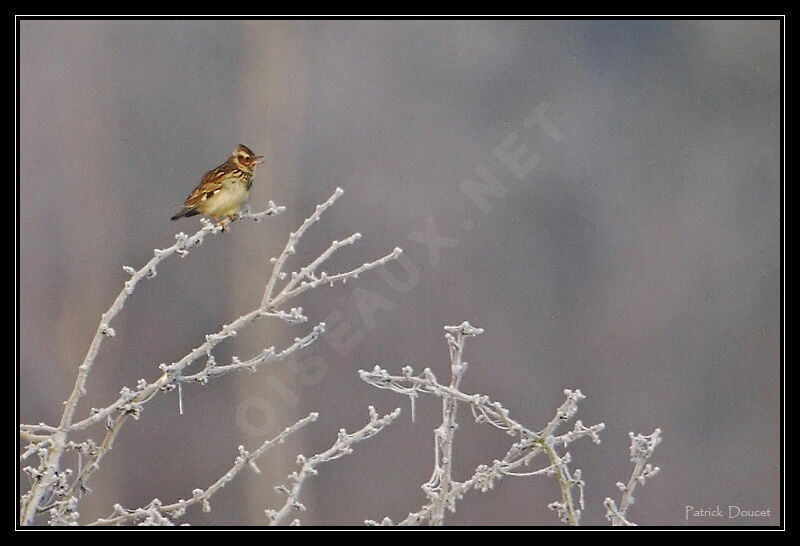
{"x":245,"y":159}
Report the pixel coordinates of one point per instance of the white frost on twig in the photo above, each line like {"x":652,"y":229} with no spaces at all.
{"x":642,"y":448}
{"x":308,"y":466}
{"x":156,"y":513}
{"x":31,"y":501}
{"x":63,"y":500}
{"x":442,"y":491}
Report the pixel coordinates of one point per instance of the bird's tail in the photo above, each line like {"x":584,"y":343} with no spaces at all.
{"x":185,"y":213}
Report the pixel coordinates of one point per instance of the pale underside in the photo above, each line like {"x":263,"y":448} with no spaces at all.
{"x":225,"y":202}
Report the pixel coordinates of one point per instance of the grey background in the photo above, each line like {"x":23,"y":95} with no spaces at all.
{"x":638,"y":261}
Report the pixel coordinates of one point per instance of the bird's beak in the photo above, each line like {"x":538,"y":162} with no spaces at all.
{"x":259,"y":159}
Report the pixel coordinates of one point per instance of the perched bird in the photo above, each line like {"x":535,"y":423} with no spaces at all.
{"x":223,"y":191}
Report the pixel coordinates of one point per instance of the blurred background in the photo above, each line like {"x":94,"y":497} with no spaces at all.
{"x":629,"y":247}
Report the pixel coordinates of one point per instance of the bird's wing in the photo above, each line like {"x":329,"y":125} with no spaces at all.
{"x":208,"y":186}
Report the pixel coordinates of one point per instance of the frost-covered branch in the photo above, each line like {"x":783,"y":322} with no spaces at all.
{"x":441,"y":481}
{"x":307,"y":278}
{"x":289,"y":249}
{"x":51,"y":442}
{"x":31,"y":500}
{"x":156,"y":513}
{"x":441,"y":489}
{"x":642,"y":448}
{"x":308,"y":466}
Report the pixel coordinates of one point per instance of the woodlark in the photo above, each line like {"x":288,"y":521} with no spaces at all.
{"x":223,"y":191}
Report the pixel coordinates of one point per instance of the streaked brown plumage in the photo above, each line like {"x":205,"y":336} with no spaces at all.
{"x":223,"y":191}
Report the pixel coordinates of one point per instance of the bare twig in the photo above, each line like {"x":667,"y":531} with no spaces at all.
{"x":441,"y":481}
{"x":161,"y":514}
{"x":441,"y":489}
{"x":51,"y":442}
{"x":32,"y":499}
{"x":308,"y":466}
{"x":642,"y":448}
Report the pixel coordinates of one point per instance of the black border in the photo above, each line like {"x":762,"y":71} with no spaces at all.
{"x":781,"y":18}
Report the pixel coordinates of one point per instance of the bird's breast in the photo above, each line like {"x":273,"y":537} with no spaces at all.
{"x":228,"y":200}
